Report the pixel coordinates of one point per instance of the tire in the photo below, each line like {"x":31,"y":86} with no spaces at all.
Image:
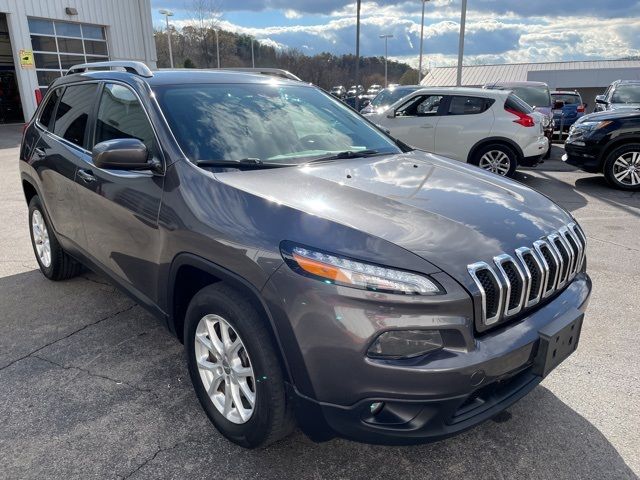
{"x":504,"y":155}
{"x":271,"y":418}
{"x":57,"y":264}
{"x":624,"y":158}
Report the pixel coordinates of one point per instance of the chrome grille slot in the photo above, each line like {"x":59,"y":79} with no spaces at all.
{"x":514,"y":284}
{"x":490,"y":291}
{"x":534,"y":273}
{"x":550,"y":258}
{"x":563,"y":256}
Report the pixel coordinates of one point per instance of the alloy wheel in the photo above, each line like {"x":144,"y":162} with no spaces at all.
{"x":225,"y":368}
{"x":495,"y":161}
{"x":41,"y":238}
{"x":626,"y":169}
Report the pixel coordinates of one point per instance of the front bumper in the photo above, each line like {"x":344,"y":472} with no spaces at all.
{"x":427,"y":398}
{"x":583,"y":155}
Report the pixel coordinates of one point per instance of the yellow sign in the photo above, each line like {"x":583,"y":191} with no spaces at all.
{"x":26,"y":59}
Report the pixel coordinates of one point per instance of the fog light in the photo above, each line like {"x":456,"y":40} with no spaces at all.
{"x":375,"y":407}
{"x":405,"y":343}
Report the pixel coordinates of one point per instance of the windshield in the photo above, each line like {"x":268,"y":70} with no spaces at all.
{"x":626,"y":94}
{"x":567,"y":98}
{"x":269,"y":122}
{"x":534,"y":96}
{"x":388,"y":96}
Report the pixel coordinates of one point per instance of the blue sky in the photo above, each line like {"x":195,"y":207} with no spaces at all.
{"x":498,"y":31}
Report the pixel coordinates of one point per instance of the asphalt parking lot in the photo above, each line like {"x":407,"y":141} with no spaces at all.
{"x":91,"y":386}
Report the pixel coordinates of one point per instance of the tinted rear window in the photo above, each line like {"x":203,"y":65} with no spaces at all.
{"x":514,"y":103}
{"x":567,"y":98}
{"x":73,"y":112}
{"x":469,"y":105}
{"x":49,"y":107}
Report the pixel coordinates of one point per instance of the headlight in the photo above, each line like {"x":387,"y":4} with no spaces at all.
{"x":590,"y":125}
{"x":350,"y":273}
{"x":545,"y":121}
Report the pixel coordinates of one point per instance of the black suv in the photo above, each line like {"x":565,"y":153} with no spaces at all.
{"x":620,"y":94}
{"x":607,"y":142}
{"x":315,"y":269}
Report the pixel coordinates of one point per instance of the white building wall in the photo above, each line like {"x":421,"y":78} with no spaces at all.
{"x":128,"y":25}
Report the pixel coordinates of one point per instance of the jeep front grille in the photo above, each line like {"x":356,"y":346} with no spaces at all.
{"x":513,"y":284}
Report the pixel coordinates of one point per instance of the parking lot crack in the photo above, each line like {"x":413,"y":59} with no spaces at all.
{"x":53,"y":342}
{"x":93,"y":374}
{"x":158,"y":451}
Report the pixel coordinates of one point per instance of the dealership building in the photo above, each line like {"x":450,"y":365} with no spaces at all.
{"x":589,"y":78}
{"x":41,"y":39}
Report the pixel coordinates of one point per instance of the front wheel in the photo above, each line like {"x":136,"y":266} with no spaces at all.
{"x":622,"y":167}
{"x":234,"y":368}
{"x":496,"y":158}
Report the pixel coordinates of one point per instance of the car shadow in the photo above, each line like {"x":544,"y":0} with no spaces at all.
{"x":10,"y":135}
{"x":539,"y":437}
{"x":561,"y":192}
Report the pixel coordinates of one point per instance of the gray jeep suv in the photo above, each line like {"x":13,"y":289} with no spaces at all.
{"x":317,"y":271}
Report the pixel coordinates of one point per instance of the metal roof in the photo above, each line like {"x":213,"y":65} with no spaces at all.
{"x":477,"y":75}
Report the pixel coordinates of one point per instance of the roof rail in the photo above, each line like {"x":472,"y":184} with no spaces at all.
{"x":138,"y":68}
{"x":274,"y":72}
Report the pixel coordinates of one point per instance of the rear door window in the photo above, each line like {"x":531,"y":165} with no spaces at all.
{"x":73,"y":112}
{"x":468,"y":105}
{"x":47,"y":111}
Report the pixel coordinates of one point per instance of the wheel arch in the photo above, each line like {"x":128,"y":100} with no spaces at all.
{"x":190,"y":273}
{"x":614,"y":144}
{"x":495,"y":140}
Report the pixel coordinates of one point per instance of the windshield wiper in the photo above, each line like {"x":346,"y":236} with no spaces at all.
{"x":345,"y":154}
{"x":243,"y":163}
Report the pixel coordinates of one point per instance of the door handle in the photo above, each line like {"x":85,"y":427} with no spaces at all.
{"x":426,"y":126}
{"x":39,"y":153}
{"x":86,"y":176}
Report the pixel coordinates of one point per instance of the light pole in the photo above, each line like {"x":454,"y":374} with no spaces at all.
{"x":386,"y":38}
{"x":167,"y":14}
{"x":253,"y":60}
{"x":356,"y":101}
{"x":421,"y":38}
{"x":215,"y":30}
{"x":463,"y":16}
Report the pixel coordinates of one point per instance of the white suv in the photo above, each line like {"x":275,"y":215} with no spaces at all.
{"x":492,"y":129}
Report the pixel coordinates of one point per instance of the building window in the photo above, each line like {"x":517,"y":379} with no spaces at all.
{"x":58,"y":45}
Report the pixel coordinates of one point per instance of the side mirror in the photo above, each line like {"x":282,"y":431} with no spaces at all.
{"x":558,"y":105}
{"x":121,"y":154}
{"x":390,"y":113}
{"x":601,"y":100}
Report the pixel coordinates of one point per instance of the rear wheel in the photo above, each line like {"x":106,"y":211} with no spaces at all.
{"x":235,"y":369}
{"x":622,"y":167}
{"x":54,"y":262}
{"x":496,"y":158}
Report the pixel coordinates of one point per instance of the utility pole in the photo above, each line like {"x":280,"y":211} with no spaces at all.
{"x":357,"y":52}
{"x":217,"y":46}
{"x":253,"y":60}
{"x":463,"y":16}
{"x":386,"y":38}
{"x":167,"y":14}
{"x":421,"y":41}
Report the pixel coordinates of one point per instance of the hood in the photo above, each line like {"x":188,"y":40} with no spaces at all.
{"x":449,"y":213}
{"x":623,"y":106}
{"x":613,"y":114}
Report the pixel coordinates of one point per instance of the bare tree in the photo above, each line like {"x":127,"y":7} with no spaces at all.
{"x":205,"y":20}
